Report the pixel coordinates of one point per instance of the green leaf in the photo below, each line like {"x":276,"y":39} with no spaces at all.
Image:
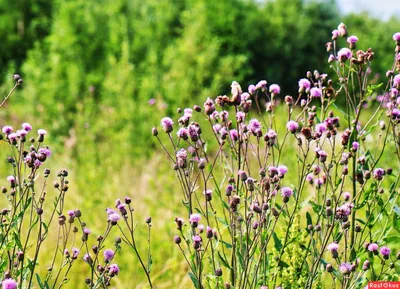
{"x":223,"y":261}
{"x":229,"y":246}
{"x":309,"y":219}
{"x":194,"y":280}
{"x":278,"y":243}
{"x":40,"y":281}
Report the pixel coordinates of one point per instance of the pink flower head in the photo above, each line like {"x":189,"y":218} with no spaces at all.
{"x":282,"y":170}
{"x":41,"y":132}
{"x":188,"y":112}
{"x":335,"y":34}
{"x":292,"y":126}
{"x":21,"y":133}
{"x":7,"y":129}
{"x":262,"y":84}
{"x":331,"y":58}
{"x":87,"y":258}
{"x":346,"y":196}
{"x":12,"y":137}
{"x":252,"y":89}
{"x":286,"y":192}
{"x":373,"y":247}
{"x":11,"y":179}
{"x":196,"y":239}
{"x":194,"y":218}
{"x":315,"y":92}
{"x":86,"y":231}
{"x":234,"y":134}
{"x":183,"y":133}
{"x":46,"y":151}
{"x":75,"y":252}
{"x":166,"y":124}
{"x":333,"y":247}
{"x":114,"y":218}
{"x":240,"y":116}
{"x":216,"y":127}
{"x":320,"y":128}
{"x":304,"y":84}
{"x":385,"y":251}
{"x":26,"y":126}
{"x":355,"y":145}
{"x":255,"y":126}
{"x":275,"y":89}
{"x":345,"y":268}
{"x":396,"y":36}
{"x":108,"y":255}
{"x":71,"y":213}
{"x":245,"y":97}
{"x":344,"y":54}
{"x":9,"y":284}
{"x":379,"y":173}
{"x":152,"y":101}
{"x":114,"y":269}
{"x":396,"y":80}
{"x":352,"y":39}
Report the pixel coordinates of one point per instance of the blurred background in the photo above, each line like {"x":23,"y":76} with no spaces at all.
{"x":98,"y":75}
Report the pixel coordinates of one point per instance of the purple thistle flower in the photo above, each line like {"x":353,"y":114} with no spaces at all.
{"x":75,"y":253}
{"x":71,"y":213}
{"x":183,"y":133}
{"x":320,"y":128}
{"x":396,"y":81}
{"x":7,"y":129}
{"x":181,"y":157}
{"x":217,"y":127}
{"x":193,"y":131}
{"x":292,"y":126}
{"x":152,"y":101}
{"x":21,"y":133}
{"x":352,"y":39}
{"x":344,"y":54}
{"x":262,"y":84}
{"x":310,"y":178}
{"x":114,"y":218}
{"x":379,"y":173}
{"x":323,"y":155}
{"x":282,"y":170}
{"x":240,"y":116}
{"x":345,"y":268}
{"x":286,"y":192}
{"x":275,"y":89}
{"x":315,"y":92}
{"x":252,"y":89}
{"x":45,"y":151}
{"x":255,"y":126}
{"x":9,"y":284}
{"x":331,"y":58}
{"x":108,"y":255}
{"x":113,"y":269}
{"x":385,"y":251}
{"x":304,"y":84}
{"x":209,"y":106}
{"x":166,"y":124}
{"x":355,"y":146}
{"x":234,"y":135}
{"x":200,"y":228}
{"x":41,"y":132}
{"x":346,"y":196}
{"x":395,"y":113}
{"x":333,"y":247}
{"x":194,"y":218}
{"x":86,"y":231}
{"x":396,"y":36}
{"x":87,"y":258}
{"x":188,"y":112}
{"x":335,"y":34}
{"x":373,"y":247}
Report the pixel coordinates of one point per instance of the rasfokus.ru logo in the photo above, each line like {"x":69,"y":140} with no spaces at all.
{"x":383,"y":284}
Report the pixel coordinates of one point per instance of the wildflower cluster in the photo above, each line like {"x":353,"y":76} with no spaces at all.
{"x":245,"y":216}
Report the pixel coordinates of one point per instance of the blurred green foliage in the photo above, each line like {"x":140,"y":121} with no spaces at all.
{"x":91,"y":68}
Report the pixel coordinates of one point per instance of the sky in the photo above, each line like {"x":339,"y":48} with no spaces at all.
{"x":383,"y":9}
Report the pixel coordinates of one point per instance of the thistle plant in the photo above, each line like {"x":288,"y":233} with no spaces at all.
{"x":31,"y":213}
{"x":313,"y":206}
